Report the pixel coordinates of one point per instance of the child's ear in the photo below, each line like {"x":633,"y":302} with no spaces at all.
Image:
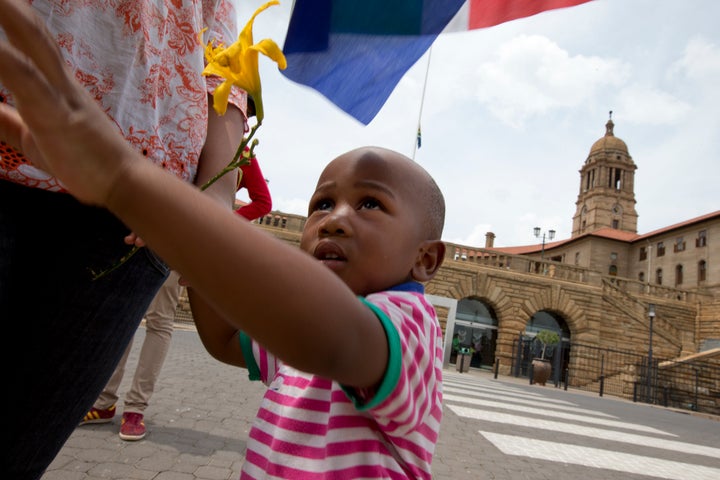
{"x":429,"y":259}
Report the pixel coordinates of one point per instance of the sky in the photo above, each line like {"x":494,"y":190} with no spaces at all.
{"x":509,"y":113}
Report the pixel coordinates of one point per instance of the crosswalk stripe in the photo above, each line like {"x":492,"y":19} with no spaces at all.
{"x":598,"y":458}
{"x":598,"y":433}
{"x":548,"y":412}
{"x":506,"y":392}
{"x":517,"y":400}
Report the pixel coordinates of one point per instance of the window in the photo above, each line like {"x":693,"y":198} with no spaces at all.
{"x":615,"y":224}
{"x":613,"y":270}
{"x":679,"y":245}
{"x":615,"y":178}
{"x":643,"y":253}
{"x":702,"y":271}
{"x":577,"y":258}
{"x":658,"y":276}
{"x":276,"y":221}
{"x":641,"y":277}
{"x":660,"y":249}
{"x":701,"y":239}
{"x":678,"y":275}
{"x":284,"y":222}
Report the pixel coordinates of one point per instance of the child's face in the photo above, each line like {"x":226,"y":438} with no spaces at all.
{"x":364,"y":219}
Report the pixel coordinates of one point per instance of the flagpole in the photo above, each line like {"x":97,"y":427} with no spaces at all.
{"x":422,"y":101}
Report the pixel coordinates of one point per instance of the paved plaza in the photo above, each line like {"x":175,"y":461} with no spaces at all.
{"x":501,"y":429}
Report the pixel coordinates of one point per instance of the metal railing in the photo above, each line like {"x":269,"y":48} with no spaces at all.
{"x":688,"y":385}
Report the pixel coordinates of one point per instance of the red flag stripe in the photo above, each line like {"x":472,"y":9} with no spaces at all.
{"x":486,"y":13}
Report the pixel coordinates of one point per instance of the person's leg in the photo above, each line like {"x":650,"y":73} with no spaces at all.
{"x":109,"y":395}
{"x":68,"y":329}
{"x":159,"y":321}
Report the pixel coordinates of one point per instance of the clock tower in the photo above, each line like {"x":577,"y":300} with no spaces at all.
{"x":607,"y":187}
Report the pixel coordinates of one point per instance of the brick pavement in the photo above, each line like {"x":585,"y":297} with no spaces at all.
{"x":202,"y":411}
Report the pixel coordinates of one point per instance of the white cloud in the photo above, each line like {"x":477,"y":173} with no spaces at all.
{"x":531,"y":75}
{"x":648,"y":105}
{"x":700,"y":61}
{"x":476,"y":237}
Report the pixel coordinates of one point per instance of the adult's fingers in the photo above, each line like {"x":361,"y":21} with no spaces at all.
{"x":11,"y":126}
{"x":15,"y":133}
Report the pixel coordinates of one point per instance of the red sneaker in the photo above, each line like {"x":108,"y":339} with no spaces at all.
{"x":132,"y":427}
{"x":95,"y":415}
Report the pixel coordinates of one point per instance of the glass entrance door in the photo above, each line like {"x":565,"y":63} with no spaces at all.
{"x":479,"y":339}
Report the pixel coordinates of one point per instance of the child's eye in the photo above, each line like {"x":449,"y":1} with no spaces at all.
{"x":370,"y":203}
{"x":322,"y":204}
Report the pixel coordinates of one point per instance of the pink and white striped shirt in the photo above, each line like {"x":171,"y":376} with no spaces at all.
{"x":311,"y":428}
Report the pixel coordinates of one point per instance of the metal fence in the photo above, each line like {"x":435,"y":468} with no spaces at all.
{"x":690,"y":385}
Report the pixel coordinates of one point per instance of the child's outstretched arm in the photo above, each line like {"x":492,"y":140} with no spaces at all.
{"x":274,"y":292}
{"x":219,"y":336}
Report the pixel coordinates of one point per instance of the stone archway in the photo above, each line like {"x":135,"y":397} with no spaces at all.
{"x":474,"y":330}
{"x":528,"y":348}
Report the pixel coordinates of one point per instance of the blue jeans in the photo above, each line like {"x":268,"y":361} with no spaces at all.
{"x":69,"y":331}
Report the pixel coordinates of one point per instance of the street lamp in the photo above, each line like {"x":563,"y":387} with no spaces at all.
{"x":538,"y":234}
{"x":651,"y":316}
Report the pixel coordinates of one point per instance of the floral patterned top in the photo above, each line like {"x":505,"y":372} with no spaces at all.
{"x":142,"y":61}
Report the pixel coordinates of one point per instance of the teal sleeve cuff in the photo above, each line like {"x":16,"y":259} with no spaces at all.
{"x":250,"y":363}
{"x":392,"y":372}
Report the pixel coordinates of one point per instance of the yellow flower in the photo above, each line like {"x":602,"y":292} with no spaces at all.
{"x":238,"y":65}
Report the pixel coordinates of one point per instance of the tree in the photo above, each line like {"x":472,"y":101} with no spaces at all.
{"x":547,"y":338}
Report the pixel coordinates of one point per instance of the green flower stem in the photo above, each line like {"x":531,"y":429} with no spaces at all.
{"x":238,"y":160}
{"x":125,"y":258}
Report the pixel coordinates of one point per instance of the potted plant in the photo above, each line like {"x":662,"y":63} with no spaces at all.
{"x":541,"y":366}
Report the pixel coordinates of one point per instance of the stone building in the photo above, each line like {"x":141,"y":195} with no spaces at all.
{"x":594,"y":288}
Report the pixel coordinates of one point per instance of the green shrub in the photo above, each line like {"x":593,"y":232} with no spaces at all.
{"x":547,"y":338}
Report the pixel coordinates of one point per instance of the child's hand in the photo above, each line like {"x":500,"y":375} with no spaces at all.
{"x":57,"y":125}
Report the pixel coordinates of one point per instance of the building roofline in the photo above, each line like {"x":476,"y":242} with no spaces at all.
{"x":607,"y":233}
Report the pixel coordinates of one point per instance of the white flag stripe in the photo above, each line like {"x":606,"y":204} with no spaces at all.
{"x":631,"y":438}
{"x":514,"y":400}
{"x":598,"y":458}
{"x":556,"y":414}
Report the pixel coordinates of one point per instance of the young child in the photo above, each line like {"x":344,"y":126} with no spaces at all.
{"x":374,"y":220}
{"x":355,"y":383}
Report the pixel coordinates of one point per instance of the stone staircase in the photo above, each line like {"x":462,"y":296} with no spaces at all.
{"x":637,"y":311}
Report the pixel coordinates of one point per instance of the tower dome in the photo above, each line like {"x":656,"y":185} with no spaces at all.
{"x":609,"y":141}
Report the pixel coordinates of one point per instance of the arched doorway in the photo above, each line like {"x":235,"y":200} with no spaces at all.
{"x":475,"y":328}
{"x":526,"y":348}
